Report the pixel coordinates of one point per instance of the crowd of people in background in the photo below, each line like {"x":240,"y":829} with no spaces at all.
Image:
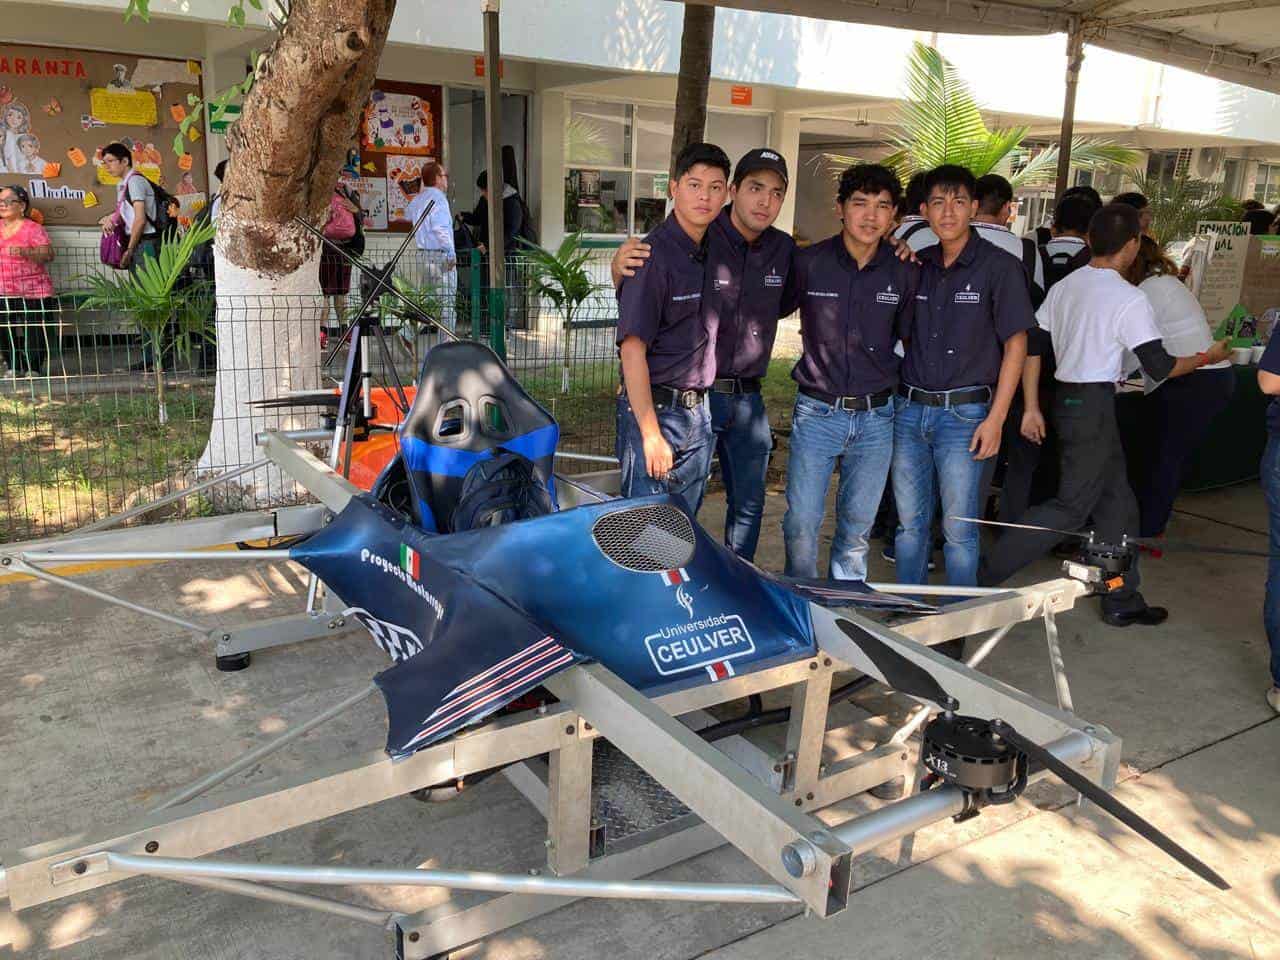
{"x":938,"y":348}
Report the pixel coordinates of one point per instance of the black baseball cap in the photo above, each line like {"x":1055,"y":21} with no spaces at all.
{"x":761,"y":158}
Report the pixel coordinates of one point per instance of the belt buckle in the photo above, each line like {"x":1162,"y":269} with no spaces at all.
{"x":688,"y":398}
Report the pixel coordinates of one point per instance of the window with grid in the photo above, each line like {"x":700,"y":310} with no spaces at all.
{"x":616,"y":158}
{"x":1267,"y":186}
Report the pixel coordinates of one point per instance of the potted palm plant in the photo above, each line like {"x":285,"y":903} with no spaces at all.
{"x":562,"y":277}
{"x":170,"y":317}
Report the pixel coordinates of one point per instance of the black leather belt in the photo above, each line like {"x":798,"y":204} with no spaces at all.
{"x":675,"y":397}
{"x":945,"y":398}
{"x":736,"y":385}
{"x":867,"y":401}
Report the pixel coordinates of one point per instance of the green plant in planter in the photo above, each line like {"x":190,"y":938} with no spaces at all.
{"x":562,"y":277}
{"x":171,"y":319}
{"x":1178,"y":204}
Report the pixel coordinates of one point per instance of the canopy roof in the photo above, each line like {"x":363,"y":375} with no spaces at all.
{"x":1236,"y":40}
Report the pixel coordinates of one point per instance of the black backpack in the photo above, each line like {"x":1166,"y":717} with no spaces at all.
{"x":1059,"y":265}
{"x":500,"y":489}
{"x":164,"y":223}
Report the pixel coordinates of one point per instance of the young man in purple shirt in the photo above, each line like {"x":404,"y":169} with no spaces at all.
{"x":856,"y":299}
{"x":965,"y":347}
{"x":749,"y":287}
{"x":666,"y":346}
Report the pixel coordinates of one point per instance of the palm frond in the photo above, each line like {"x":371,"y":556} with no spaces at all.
{"x":1176,"y":205}
{"x":940,"y":113}
{"x":1086,"y":153}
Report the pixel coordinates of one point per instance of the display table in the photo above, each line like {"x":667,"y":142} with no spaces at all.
{"x":1229,"y":454}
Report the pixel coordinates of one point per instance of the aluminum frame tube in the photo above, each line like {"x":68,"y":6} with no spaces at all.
{"x":271,"y":746}
{"x":49,"y":556}
{"x":937,"y":589}
{"x":291,"y":898}
{"x":451,"y":879}
{"x":118,"y":518}
{"x":22,"y":566}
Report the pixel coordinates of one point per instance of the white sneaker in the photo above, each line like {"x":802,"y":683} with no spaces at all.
{"x":1273,"y":698}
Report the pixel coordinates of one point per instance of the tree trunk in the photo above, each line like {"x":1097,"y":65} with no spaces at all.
{"x":286,"y":149}
{"x":694,"y":81}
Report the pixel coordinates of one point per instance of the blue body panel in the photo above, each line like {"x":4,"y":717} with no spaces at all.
{"x":475,"y":619}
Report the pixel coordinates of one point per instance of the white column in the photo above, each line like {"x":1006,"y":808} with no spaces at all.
{"x":786,"y":140}
{"x":551,"y":181}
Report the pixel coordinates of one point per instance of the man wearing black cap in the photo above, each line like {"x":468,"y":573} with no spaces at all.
{"x":666,"y":345}
{"x":749,"y":287}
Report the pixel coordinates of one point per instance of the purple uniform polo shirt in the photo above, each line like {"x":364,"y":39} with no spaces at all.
{"x":850,"y":318}
{"x":964,"y":314}
{"x":662,"y":305}
{"x":749,"y":288}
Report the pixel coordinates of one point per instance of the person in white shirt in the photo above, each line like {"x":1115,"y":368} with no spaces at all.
{"x":1178,"y":413}
{"x":435,"y":237}
{"x":995,"y":206}
{"x":1093,"y":316}
{"x":913,"y":229}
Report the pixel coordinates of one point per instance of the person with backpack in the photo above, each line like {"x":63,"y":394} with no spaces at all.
{"x":995,"y":203}
{"x":138,"y":208}
{"x":1031,"y":467}
{"x":341,"y":227}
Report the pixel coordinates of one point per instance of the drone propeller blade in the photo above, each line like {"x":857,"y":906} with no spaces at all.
{"x":1191,"y":547}
{"x":1110,"y":804}
{"x":899,"y":672}
{"x":1026,"y":526}
{"x":1151,"y":542}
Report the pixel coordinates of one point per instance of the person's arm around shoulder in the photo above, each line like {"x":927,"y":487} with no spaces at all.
{"x":1013,"y":316}
{"x":640,"y":303}
{"x":627,"y":259}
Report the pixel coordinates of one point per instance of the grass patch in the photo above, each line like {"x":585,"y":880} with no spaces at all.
{"x":66,"y":462}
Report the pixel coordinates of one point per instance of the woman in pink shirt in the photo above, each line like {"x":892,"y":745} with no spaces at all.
{"x":27,"y":305}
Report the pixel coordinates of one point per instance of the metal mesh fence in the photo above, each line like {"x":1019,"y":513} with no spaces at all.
{"x":95,"y":420}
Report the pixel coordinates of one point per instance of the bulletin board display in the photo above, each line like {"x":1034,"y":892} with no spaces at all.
{"x":59,"y":107}
{"x":399,"y":134}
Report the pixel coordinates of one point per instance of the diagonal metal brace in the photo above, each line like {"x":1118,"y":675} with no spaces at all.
{"x":732,"y":801}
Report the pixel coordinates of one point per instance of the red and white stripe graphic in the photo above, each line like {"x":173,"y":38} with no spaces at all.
{"x":719,"y":670}
{"x":517,"y":673}
{"x":674,"y":577}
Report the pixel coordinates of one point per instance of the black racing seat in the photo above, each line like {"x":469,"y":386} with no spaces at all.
{"x":467,"y":407}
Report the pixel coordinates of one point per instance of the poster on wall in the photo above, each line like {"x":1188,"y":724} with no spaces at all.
{"x":372,"y":192}
{"x":59,"y":107}
{"x":399,"y":134}
{"x":1221,"y":271}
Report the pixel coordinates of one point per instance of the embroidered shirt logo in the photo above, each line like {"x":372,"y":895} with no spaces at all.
{"x":683,"y":297}
{"x":831,"y":294}
{"x":888,"y":295}
{"x":968,"y":295}
{"x":772,"y":278}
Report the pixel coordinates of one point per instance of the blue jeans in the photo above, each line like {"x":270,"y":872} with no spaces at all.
{"x":931,"y":446}
{"x":1271,"y":606}
{"x":741,"y":427}
{"x":689,"y":434}
{"x":860,"y":444}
